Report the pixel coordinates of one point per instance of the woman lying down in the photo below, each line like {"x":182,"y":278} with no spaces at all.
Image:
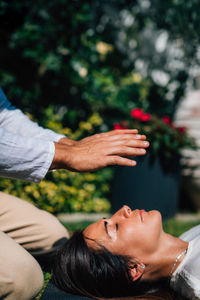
{"x":129,"y":255}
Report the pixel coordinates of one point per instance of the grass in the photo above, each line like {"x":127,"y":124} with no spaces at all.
{"x":172,"y":226}
{"x":73,"y":226}
{"x":177,"y":227}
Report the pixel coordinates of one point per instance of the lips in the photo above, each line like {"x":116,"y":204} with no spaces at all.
{"x":141,"y":212}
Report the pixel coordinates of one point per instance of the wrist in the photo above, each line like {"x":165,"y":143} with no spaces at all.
{"x":59,"y":157}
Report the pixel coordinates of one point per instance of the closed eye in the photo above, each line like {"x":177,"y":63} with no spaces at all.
{"x":106,"y":227}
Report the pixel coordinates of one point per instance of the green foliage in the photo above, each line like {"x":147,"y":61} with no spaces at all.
{"x":179,"y":16}
{"x":47,"y":277}
{"x":166,"y":140}
{"x":64,"y":191}
{"x":77,"y":54}
{"x":66,"y":59}
{"x":62,"y":61}
{"x":65,"y":62}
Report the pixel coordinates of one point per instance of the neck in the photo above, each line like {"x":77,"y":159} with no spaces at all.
{"x":163,"y":259}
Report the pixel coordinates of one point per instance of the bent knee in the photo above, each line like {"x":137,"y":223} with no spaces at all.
{"x":24,"y":280}
{"x":28,"y":288}
{"x":52,"y":229}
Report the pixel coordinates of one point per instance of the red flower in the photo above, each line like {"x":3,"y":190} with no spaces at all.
{"x":118,"y":126}
{"x":145,"y":117}
{"x":182,"y":129}
{"x":137,"y":113}
{"x":167,"y":120}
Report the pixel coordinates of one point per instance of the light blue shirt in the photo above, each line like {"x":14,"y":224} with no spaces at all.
{"x":26,"y":149}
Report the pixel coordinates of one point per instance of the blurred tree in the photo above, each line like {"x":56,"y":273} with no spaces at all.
{"x":75,"y":54}
{"x":74,"y":58}
{"x":51,"y":52}
{"x":160,"y":40}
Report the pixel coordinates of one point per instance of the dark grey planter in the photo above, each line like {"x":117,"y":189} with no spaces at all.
{"x":147,"y":186}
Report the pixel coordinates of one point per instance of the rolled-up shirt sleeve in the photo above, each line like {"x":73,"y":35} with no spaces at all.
{"x":15,"y":121}
{"x":23,"y":157}
{"x":26,"y":149}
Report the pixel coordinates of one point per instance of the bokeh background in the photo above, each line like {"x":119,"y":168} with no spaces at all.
{"x":81,"y":67}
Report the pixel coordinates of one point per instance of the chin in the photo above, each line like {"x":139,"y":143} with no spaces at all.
{"x":155,"y":212}
{"x":157,"y":215}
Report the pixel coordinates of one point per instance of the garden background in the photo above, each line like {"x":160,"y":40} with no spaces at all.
{"x":81,"y":67}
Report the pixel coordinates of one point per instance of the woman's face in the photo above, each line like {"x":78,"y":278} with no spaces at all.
{"x":135,"y":233}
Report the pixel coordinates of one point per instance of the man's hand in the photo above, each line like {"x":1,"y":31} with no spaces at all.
{"x":99,"y":150}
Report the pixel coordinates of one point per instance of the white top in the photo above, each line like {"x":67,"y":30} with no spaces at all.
{"x":186,"y":278}
{"x":26,"y":149}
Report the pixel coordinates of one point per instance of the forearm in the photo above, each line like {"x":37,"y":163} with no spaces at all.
{"x":24,"y":158}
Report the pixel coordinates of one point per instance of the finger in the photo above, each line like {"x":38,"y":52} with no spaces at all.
{"x":133,"y":136}
{"x":125,"y":151}
{"x":128,"y":151}
{"x":132,"y":143}
{"x":142,"y":137}
{"x":120,"y":161}
{"x":121,"y":131}
{"x":124,"y":137}
{"x":137,"y":144}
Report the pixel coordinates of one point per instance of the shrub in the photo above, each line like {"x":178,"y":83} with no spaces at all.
{"x":64,"y":191}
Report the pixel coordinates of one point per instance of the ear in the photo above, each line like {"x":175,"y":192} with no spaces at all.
{"x":136,"y":271}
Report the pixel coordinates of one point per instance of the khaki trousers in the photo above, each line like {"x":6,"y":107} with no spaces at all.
{"x":24,"y":229}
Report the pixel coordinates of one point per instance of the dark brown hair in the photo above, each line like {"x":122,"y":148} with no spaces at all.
{"x":80,"y":269}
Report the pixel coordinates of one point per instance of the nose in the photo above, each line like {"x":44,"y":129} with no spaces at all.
{"x":125,"y":211}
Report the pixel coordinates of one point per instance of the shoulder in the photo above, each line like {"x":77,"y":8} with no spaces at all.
{"x":186,"y":278}
{"x":3,"y":100}
{"x":191,"y":234}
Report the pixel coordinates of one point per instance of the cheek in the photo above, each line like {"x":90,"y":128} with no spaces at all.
{"x":143,"y":238}
{"x":121,"y":243}
{"x":151,"y":235}
{"x":127,"y":241}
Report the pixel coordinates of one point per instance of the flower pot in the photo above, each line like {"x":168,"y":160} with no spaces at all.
{"x":147,"y":186}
